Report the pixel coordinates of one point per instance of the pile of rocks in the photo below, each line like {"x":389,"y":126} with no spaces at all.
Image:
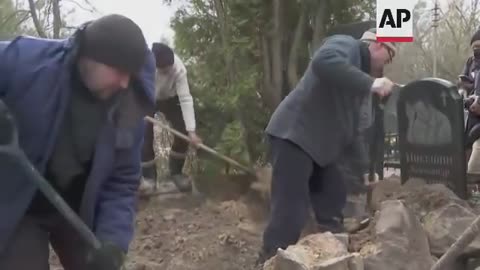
{"x":413,"y":225}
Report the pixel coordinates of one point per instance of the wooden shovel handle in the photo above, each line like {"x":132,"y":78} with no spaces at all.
{"x":201,"y":145}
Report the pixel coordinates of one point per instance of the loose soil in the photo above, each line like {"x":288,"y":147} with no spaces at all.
{"x":362,"y":238}
{"x":175,"y":231}
{"x":224,"y":232}
{"x":181,"y":232}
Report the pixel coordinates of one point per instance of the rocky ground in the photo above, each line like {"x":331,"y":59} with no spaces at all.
{"x":412,"y":226}
{"x":409,"y":228}
{"x":187,"y":232}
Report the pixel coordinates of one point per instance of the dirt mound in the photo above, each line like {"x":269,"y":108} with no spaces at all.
{"x":181,"y":233}
{"x":362,"y":238}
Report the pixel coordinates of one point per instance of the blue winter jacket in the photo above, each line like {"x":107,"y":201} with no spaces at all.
{"x":35,"y":85}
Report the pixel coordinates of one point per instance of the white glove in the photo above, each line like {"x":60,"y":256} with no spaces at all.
{"x":382,"y":87}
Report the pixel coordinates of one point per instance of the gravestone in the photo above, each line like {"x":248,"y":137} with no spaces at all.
{"x":431,"y":128}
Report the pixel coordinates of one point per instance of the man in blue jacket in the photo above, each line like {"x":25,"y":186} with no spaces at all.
{"x":79,"y":105}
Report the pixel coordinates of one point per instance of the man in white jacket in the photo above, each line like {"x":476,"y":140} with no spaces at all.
{"x":174,"y":100}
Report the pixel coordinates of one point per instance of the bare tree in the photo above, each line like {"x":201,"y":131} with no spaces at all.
{"x":47,"y":15}
{"x":35,"y":19}
{"x":459,"y":20}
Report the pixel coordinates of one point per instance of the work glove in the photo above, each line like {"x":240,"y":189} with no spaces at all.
{"x":382,"y":87}
{"x":108,"y":257}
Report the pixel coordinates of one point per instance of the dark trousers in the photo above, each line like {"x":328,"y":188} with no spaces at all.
{"x":29,"y":247}
{"x":298,"y":183}
{"x":173,"y":113}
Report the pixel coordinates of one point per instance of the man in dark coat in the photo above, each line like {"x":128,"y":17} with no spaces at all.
{"x":79,"y":106}
{"x":314,"y":129}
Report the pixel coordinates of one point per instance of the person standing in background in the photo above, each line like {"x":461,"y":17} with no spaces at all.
{"x":174,"y":100}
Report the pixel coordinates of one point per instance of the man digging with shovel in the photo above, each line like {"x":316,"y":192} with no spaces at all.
{"x":79,"y":105}
{"x":173,"y":99}
{"x":312,"y":134}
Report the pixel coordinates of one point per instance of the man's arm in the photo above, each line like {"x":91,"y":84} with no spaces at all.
{"x":333,"y":64}
{"x":186,"y":100}
{"x":115,"y":215}
{"x":116,"y":208}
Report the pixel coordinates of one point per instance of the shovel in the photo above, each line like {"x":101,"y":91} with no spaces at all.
{"x":9,"y":149}
{"x":259,"y":187}
{"x":261,"y":178}
{"x":201,"y":146}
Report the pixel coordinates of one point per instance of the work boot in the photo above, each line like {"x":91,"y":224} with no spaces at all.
{"x":182,"y":182}
{"x":147,"y":186}
{"x":150,"y":172}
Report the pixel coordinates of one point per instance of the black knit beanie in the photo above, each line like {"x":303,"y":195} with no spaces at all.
{"x":115,"y":41}
{"x":475,"y":37}
{"x":164,"y":56}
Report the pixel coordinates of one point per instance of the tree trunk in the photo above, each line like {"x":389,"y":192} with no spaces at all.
{"x":251,"y":131}
{"x":225,"y":34}
{"x":229,"y":61}
{"x":36,"y":21}
{"x":276,"y":47}
{"x":295,"y":48}
{"x":57,"y":19}
{"x":319,"y":24}
{"x":270,"y":96}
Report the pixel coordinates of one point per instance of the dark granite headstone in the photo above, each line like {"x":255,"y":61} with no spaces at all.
{"x":390,"y":119}
{"x":431,"y":128}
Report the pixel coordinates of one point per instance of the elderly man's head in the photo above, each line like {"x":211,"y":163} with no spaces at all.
{"x":381,"y":53}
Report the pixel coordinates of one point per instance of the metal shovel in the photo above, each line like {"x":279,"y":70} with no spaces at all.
{"x":9,"y":149}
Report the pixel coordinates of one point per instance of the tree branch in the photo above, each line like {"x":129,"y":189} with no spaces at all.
{"x":318,"y":24}
{"x":13,"y":15}
{"x":36,"y":21}
{"x":461,"y":13}
{"x":91,"y":8}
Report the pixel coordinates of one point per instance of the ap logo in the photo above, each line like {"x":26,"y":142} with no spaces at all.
{"x":395,"y":20}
